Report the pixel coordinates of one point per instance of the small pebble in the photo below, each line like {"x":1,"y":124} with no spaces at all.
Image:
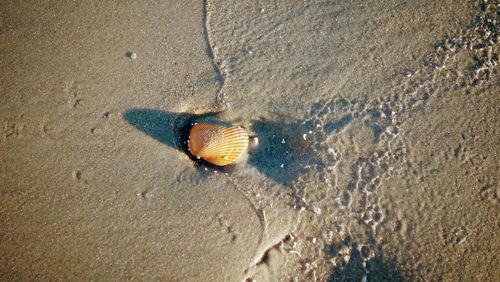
{"x":131,"y":55}
{"x":254,"y":141}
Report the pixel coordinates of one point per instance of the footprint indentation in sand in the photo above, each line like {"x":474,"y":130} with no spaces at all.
{"x":13,"y":128}
{"x":229,"y":229}
{"x":71,"y":89}
{"x":77,"y":175}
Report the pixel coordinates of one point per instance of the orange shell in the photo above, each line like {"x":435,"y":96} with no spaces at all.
{"x":217,"y":144}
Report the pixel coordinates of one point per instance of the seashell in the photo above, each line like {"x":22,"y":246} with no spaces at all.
{"x":217,"y":144}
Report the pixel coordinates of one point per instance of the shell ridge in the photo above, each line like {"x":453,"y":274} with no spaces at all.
{"x":218,"y":144}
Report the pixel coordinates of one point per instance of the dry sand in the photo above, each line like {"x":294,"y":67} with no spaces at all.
{"x":379,"y":141}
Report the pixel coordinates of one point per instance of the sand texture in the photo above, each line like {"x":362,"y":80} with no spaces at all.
{"x":378,"y":125}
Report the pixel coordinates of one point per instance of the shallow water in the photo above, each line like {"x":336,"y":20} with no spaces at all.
{"x":340,"y":95}
{"x":377,"y":124}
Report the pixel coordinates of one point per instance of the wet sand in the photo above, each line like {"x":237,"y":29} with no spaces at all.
{"x":378,"y":127}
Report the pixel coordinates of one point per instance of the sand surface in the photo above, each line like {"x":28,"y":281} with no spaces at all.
{"x":378,"y":124}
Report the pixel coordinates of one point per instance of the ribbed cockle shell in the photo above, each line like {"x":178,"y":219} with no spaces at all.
{"x":217,"y":144}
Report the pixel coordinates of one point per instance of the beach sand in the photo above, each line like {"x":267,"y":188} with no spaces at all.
{"x":378,"y":126}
